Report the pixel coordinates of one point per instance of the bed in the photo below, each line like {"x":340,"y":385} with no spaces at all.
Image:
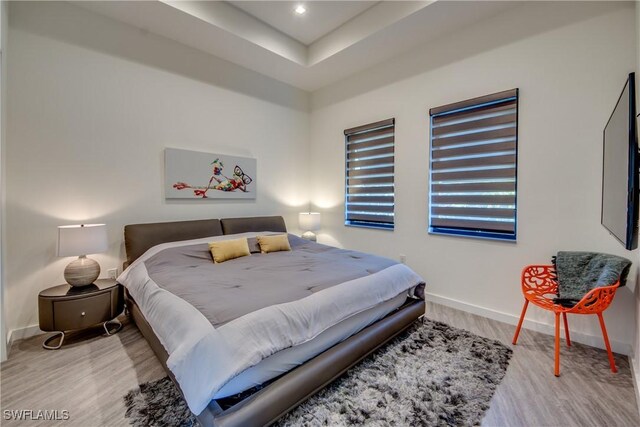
{"x":269,"y":383}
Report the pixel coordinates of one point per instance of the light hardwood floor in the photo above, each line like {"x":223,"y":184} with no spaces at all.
{"x":91,"y":373}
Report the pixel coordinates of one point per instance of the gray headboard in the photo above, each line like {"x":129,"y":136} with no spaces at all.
{"x":255,"y":224}
{"x":138,"y":238}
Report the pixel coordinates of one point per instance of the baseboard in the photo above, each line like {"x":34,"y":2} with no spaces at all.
{"x":7,"y":349}
{"x":20,"y":334}
{"x":545,"y":328}
{"x":635,"y":376}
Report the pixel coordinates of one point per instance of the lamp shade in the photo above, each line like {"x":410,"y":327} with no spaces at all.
{"x":309,"y":221}
{"x":76,"y":240}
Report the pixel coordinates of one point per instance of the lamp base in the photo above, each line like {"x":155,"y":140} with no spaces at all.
{"x":82,"y":272}
{"x":309,"y":235}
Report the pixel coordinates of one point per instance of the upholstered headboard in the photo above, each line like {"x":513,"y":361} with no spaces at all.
{"x":138,"y":238}
{"x":253,"y":224}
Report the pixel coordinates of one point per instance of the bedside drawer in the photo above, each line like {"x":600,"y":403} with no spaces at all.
{"x":81,"y":313}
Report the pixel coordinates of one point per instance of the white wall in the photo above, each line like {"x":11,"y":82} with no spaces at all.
{"x":635,"y":360}
{"x":570,"y":61}
{"x":4,"y":27}
{"x":93,"y":103}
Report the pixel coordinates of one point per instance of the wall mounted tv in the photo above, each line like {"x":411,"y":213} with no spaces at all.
{"x":620,"y":169}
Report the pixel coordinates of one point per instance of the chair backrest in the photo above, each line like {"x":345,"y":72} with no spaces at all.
{"x":540,"y":286}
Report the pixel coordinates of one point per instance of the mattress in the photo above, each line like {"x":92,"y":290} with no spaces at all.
{"x":228,"y":327}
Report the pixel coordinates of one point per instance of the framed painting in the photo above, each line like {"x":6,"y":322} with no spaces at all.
{"x":196,"y":175}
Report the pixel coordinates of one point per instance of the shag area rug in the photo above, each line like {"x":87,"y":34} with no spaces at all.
{"x":430,"y":375}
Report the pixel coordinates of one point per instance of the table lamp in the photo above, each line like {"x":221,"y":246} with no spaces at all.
{"x":81,"y":240}
{"x":310,"y":222}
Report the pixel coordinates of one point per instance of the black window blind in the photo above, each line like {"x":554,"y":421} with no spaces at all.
{"x":370,"y":175}
{"x":474,"y":167}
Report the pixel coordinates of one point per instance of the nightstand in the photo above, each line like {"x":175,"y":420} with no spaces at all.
{"x":67,"y":308}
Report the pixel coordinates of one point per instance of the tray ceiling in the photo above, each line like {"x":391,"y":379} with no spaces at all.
{"x":321,"y":18}
{"x":330,"y":42}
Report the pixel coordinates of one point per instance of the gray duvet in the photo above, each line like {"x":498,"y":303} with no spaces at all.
{"x":226,"y":291}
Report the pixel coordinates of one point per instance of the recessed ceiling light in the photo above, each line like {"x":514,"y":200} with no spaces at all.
{"x":300,"y":9}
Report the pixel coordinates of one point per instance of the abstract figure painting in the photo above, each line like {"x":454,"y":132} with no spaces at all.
{"x":196,"y":175}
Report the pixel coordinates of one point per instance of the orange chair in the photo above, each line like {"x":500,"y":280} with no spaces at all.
{"x":540,"y":287}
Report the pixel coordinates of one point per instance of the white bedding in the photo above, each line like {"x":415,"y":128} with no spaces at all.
{"x":204,"y":359}
{"x":287,"y":359}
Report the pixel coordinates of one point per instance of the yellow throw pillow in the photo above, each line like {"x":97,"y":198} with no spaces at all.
{"x":225,"y":250}
{"x":279,"y":242}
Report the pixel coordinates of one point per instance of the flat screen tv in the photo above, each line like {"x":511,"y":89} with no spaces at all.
{"x":620,"y":169}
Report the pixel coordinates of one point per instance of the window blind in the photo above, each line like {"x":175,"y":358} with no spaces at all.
{"x":474,"y":167}
{"x":369,"y":198}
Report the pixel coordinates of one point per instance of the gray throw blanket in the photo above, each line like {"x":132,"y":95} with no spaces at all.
{"x":580,"y":272}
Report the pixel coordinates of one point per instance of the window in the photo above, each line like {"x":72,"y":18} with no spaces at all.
{"x":369,"y":198}
{"x":474,"y":146}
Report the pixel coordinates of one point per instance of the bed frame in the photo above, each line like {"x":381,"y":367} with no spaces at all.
{"x":291,"y":389}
